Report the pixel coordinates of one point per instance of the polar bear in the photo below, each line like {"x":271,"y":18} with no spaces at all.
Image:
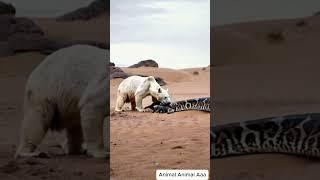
{"x":68,"y":91}
{"x":134,"y":88}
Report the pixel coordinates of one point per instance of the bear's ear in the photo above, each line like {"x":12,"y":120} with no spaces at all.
{"x":151,"y":78}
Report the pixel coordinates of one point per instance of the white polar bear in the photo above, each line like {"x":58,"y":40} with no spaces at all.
{"x":134,"y":88}
{"x":68,"y":91}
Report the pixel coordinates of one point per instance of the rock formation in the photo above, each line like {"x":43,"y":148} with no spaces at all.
{"x":94,"y":9}
{"x":116,"y":72}
{"x":145,"y":63}
{"x":19,"y":34}
{"x":7,"y":9}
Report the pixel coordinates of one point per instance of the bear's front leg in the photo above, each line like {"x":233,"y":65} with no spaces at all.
{"x":138,"y":100}
{"x":93,"y":127}
{"x":120,"y":102}
{"x":93,"y":110}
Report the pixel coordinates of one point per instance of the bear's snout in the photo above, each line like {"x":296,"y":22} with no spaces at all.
{"x":166,"y":100}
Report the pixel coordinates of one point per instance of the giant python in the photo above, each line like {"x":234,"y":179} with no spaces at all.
{"x":297,"y":134}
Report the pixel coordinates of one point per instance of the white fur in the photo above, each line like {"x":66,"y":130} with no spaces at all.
{"x":134,"y":88}
{"x":68,"y":91}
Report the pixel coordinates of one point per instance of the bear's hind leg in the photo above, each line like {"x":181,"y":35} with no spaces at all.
{"x":34,"y":127}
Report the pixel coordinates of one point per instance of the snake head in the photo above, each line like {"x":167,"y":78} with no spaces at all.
{"x":161,"y":107}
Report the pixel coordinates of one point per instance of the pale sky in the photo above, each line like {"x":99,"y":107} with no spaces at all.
{"x":175,"y":33}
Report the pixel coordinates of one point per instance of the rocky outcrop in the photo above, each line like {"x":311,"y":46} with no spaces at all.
{"x":116,"y":72}
{"x":22,"y":35}
{"x":317,"y":13}
{"x":145,"y":63}
{"x":7,"y":9}
{"x":94,"y":9}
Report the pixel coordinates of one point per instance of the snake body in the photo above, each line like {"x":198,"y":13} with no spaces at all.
{"x":201,"y":104}
{"x":297,"y":134}
{"x":291,"y":134}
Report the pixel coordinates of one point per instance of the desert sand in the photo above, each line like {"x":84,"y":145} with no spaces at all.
{"x":14,"y":71}
{"x":254,"y":78}
{"x":141,"y":143}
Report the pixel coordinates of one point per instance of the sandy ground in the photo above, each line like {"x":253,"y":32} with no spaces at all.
{"x":268,"y":80}
{"x":14,"y":71}
{"x":141,"y":143}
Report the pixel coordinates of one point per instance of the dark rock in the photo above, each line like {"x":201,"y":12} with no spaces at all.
{"x":94,"y":9}
{"x":22,"y":35}
{"x":25,"y":35}
{"x":276,"y":36}
{"x":121,"y":75}
{"x":7,"y":9}
{"x":160,"y":81}
{"x":5,"y":50}
{"x":301,"y":23}
{"x":24,"y":25}
{"x":316,"y":13}
{"x":5,"y":24}
{"x":116,"y":72}
{"x":145,"y":63}
{"x":195,"y":72}
{"x":111,"y":64}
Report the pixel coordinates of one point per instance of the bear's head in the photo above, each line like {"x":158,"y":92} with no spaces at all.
{"x":157,"y":91}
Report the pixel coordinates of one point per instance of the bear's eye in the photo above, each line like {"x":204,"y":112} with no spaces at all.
{"x":159,"y":90}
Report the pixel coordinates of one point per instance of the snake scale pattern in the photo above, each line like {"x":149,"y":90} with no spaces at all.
{"x":291,"y":134}
{"x":201,"y":104}
{"x":297,"y":134}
